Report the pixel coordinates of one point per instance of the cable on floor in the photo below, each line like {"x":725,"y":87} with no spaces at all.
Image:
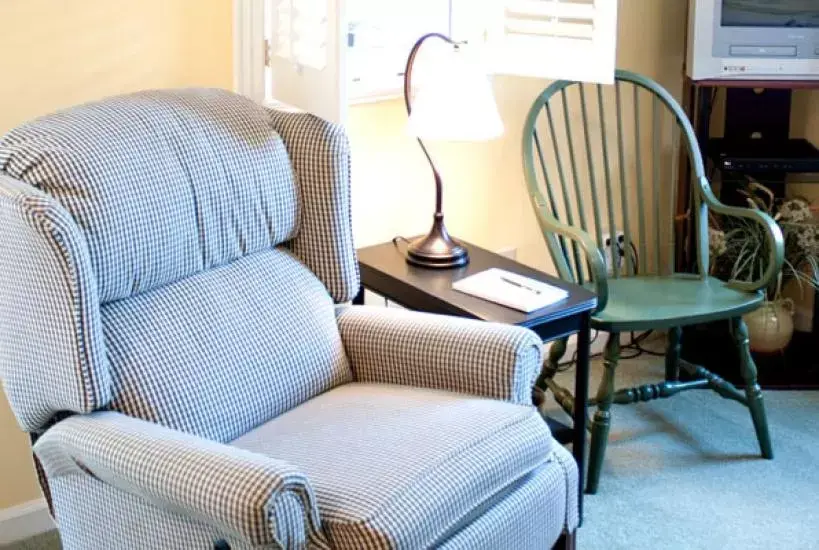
{"x":634,"y":345}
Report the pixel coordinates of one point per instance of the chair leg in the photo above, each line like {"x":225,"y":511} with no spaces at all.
{"x":556,"y":352}
{"x":567,"y":541}
{"x":752,"y":390}
{"x":672,"y":355}
{"x":602,"y":417}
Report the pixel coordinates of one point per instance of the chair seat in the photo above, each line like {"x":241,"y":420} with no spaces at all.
{"x":401,"y":467}
{"x":641,"y":303}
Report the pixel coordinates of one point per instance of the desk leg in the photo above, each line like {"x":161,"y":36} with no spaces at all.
{"x":358,"y":300}
{"x":581,"y":400}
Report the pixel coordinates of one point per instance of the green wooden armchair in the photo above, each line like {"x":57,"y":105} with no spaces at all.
{"x":601,"y":166}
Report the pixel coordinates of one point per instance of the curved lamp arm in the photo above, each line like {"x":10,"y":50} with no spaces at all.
{"x":407,"y":92}
{"x":773,"y":235}
{"x":437,"y":249}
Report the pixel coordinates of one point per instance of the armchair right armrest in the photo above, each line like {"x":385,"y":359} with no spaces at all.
{"x":395,"y":346}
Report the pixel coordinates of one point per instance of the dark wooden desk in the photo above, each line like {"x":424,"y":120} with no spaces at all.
{"x":385,"y":272}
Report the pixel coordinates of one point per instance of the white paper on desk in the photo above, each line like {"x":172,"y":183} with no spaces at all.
{"x":500,"y":286}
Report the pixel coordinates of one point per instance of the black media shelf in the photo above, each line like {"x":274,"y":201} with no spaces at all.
{"x":757,"y":144}
{"x":795,"y":368}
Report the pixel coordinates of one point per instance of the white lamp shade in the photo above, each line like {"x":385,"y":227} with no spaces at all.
{"x":453,"y":99}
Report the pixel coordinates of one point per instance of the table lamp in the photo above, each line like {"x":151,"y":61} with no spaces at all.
{"x":454,"y":103}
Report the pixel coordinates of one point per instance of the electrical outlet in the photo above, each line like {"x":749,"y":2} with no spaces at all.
{"x":621,"y":243}
{"x":621,"y":238}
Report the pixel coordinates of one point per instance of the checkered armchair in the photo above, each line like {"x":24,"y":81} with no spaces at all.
{"x":172,"y":267}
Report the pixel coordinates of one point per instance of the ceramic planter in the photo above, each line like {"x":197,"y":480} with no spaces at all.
{"x":770,"y":327}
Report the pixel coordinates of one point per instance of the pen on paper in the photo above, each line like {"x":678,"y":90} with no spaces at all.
{"x":517,"y":284}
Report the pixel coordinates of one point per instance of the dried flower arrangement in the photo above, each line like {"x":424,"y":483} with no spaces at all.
{"x":739,"y":250}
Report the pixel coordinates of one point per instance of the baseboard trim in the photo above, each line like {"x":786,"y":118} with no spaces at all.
{"x":24,"y":520}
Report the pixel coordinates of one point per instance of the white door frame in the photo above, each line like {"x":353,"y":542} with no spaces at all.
{"x":320,"y":91}
{"x":249,"y":48}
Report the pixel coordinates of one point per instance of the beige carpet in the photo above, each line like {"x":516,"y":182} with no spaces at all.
{"x":684,"y":473}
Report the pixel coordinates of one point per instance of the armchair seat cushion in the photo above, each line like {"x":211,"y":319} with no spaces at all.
{"x":402,"y":467}
{"x":642,"y":303}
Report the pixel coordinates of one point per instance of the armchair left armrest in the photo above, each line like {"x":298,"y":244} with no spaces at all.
{"x":397,"y":346}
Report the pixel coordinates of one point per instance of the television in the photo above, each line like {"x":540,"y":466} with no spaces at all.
{"x":753,"y":39}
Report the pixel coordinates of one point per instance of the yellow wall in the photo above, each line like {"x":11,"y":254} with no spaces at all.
{"x":484,"y":190}
{"x":57,"y":53}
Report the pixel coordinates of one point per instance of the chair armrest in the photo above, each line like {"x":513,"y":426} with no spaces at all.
{"x":253,"y":497}
{"x":551,"y":226}
{"x":773,"y":234}
{"x":396,"y":346}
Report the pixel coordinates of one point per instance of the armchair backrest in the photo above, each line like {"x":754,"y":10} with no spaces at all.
{"x":604,"y":159}
{"x":173,"y":255}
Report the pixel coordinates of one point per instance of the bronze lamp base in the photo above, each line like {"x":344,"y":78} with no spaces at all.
{"x":437,"y":249}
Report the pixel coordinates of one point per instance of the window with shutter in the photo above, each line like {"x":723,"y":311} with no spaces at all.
{"x":324,"y":54}
{"x":306,"y":61}
{"x":380,"y":36}
{"x":555,"y":39}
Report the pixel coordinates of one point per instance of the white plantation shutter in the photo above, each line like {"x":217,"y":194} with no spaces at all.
{"x":554,"y":39}
{"x":301,"y":32}
{"x":551,"y":39}
{"x":382,"y":33}
{"x":306,"y":57}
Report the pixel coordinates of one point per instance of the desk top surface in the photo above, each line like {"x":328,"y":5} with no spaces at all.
{"x":385,"y":271}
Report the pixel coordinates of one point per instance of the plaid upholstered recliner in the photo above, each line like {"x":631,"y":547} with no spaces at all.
{"x":169,"y":263}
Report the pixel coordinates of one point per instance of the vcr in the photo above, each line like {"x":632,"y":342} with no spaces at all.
{"x":759,"y":155}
